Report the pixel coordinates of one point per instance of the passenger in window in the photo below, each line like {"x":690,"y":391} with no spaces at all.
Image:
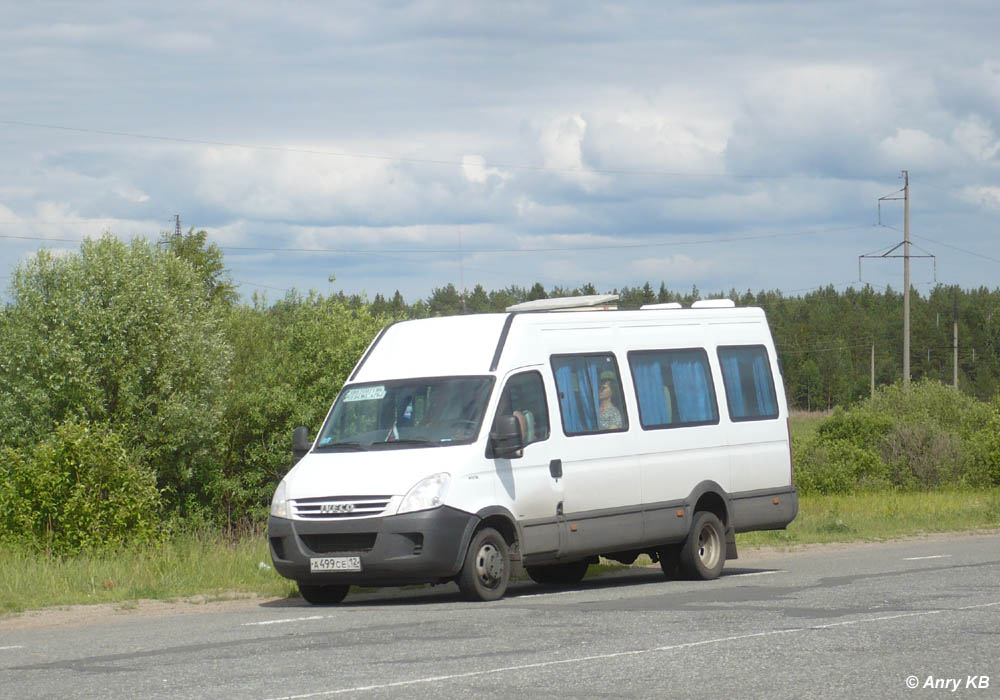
{"x":609,"y":415}
{"x":525,"y":418}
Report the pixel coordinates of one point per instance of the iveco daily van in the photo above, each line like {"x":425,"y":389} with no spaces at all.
{"x":472,"y":448}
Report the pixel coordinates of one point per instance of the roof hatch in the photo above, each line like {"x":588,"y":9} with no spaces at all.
{"x":591,"y":302}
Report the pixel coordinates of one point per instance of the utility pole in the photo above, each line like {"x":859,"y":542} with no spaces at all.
{"x":906,"y":267}
{"x":873,"y":368}
{"x":954,"y":344}
{"x":906,"y":279}
{"x":461,"y":269}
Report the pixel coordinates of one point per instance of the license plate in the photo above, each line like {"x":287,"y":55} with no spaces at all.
{"x":318,"y":564}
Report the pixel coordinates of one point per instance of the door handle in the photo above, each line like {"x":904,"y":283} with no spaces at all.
{"x":555,"y":468}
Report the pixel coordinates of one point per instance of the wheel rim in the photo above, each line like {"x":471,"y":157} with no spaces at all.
{"x":709,"y":547}
{"x":489,"y":565}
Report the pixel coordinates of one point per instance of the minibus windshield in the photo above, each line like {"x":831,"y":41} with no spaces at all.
{"x":406,"y":413}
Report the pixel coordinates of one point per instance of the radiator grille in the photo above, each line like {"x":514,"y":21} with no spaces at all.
{"x":339,"y":507}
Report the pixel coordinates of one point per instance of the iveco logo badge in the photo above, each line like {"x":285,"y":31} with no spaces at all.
{"x":328,"y":508}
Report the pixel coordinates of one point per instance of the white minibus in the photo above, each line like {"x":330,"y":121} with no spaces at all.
{"x":474,"y":448}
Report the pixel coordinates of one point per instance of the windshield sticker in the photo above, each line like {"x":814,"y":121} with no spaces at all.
{"x":365,"y":393}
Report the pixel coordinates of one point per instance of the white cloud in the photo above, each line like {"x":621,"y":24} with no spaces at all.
{"x":812,"y":118}
{"x":983,"y":195}
{"x":475,"y":170}
{"x":917,"y":149}
{"x":660,"y":139}
{"x":671,"y":267}
{"x":131,"y":194}
{"x":975,"y":137}
{"x":291,"y":185}
{"x":181,"y":41}
{"x":560,"y":142}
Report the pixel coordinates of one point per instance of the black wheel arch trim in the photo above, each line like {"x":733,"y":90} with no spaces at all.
{"x":494,"y":511}
{"x":713,"y":488}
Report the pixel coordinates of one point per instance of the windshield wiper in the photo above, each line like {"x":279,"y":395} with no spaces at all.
{"x":408,"y":442}
{"x":341,"y":445}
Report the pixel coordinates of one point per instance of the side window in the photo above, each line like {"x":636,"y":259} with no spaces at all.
{"x":674,"y":388}
{"x":590,"y":393}
{"x":524,"y":398}
{"x":746,"y":373}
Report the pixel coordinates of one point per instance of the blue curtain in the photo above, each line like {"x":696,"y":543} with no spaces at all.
{"x":649,"y":389}
{"x":734,"y":387}
{"x":578,"y":394}
{"x":691,"y":384}
{"x":765,"y":387}
{"x":573,"y":422}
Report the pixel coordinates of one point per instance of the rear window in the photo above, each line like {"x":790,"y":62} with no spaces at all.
{"x":746,"y":372}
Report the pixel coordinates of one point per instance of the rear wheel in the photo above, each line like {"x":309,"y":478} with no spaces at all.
{"x":323,"y":595}
{"x":704,"y":552}
{"x":486,"y":571}
{"x":558,"y":574}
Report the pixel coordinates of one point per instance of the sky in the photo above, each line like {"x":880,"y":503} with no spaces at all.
{"x":407,"y":145}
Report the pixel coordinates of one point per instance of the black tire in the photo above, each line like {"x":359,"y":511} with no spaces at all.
{"x":703,"y":554}
{"x":670,"y":560}
{"x":323,"y":595}
{"x":486,"y":571}
{"x":558,"y":574}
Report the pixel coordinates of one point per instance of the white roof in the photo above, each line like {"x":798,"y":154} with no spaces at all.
{"x":467,"y":345}
{"x":714,"y":304}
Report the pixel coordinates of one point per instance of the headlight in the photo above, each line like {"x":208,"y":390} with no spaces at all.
{"x":279,"y":504}
{"x":428,"y":493}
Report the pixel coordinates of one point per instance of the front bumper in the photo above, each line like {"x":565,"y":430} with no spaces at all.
{"x":423,"y":547}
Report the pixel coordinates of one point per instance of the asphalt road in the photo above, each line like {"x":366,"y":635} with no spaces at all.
{"x":844,"y":622}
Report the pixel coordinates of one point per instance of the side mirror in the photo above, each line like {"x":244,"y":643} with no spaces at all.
{"x":300,"y":443}
{"x":506,"y":439}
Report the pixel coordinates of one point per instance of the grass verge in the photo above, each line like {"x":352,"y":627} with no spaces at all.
{"x":881,"y":516}
{"x":214,"y":567}
{"x":209,"y":566}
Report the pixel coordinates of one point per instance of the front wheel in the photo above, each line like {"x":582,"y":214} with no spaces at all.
{"x":486,"y":571}
{"x":704,"y":552}
{"x":323,"y":595}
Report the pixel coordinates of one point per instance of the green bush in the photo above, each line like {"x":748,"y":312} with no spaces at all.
{"x":928,"y":437}
{"x":78,"y":489}
{"x":124,"y":334}
{"x":835,"y":465}
{"x":982,"y":465}
{"x":929,"y":401}
{"x":864,"y":428}
{"x":922,"y":454}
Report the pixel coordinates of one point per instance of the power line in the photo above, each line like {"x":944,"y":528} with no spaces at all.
{"x":473,"y":251}
{"x":405,"y":159}
{"x":830,"y":349}
{"x":241,"y":283}
{"x":44,"y":238}
{"x":961,"y":250}
{"x":60,"y":222}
